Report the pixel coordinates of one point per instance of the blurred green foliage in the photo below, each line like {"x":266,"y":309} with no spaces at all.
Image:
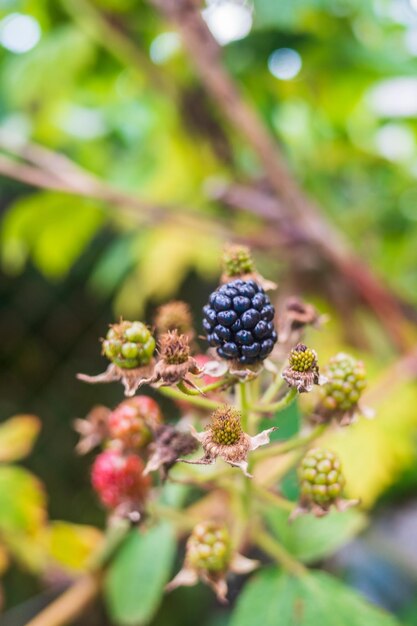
{"x":101,"y":88}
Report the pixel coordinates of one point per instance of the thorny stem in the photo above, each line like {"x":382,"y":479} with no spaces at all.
{"x":280,"y":405}
{"x":274,"y":549}
{"x":291,"y":444}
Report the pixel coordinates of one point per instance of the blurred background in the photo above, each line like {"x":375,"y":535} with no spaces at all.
{"x":136,"y":139}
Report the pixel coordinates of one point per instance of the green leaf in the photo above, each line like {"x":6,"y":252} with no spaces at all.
{"x":275,"y":597}
{"x":309,"y":538}
{"x":17,"y":436}
{"x":136,"y":579}
{"x":53,"y":228}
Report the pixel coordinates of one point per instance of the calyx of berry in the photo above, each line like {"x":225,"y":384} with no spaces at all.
{"x":225,"y":438}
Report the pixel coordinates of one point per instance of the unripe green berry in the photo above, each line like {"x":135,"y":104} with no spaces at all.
{"x":225,"y":427}
{"x":321,"y":478}
{"x":302,"y":359}
{"x":129,"y":345}
{"x":346,"y":380}
{"x":209,"y":548}
{"x":237,"y":261}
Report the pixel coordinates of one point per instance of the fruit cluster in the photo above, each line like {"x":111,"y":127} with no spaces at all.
{"x":239,"y":322}
{"x":225,"y":426}
{"x":321,"y":478}
{"x":302,"y":358}
{"x":209,"y":547}
{"x":118,"y":479}
{"x":129,"y":345}
{"x":346,"y":380}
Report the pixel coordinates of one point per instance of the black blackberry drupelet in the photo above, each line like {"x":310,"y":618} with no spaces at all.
{"x":239,"y":322}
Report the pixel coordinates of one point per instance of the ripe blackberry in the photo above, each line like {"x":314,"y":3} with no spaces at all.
{"x":346,"y":381}
{"x":321,"y":478}
{"x":239,"y":322}
{"x":129,"y":345}
{"x":119,"y":480}
{"x":209,"y":548}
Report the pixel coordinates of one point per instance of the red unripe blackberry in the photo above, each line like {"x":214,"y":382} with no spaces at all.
{"x":133,"y":421}
{"x":119,"y":479}
{"x":321,"y":478}
{"x":209,"y":548}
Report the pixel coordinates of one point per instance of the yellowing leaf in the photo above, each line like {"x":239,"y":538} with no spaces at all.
{"x":168,"y":255}
{"x":22,"y":501}
{"x":22,"y":515}
{"x":4,"y":560}
{"x":17,"y":436}
{"x":71,"y":545}
{"x":373,"y":452}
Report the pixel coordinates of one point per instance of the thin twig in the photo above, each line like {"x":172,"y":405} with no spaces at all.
{"x":300,"y":211}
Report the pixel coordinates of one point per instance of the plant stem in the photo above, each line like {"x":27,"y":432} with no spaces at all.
{"x":278,"y":406}
{"x":274,"y":549}
{"x":273,"y":389}
{"x":291,"y":444}
{"x":70,"y":604}
{"x":224,"y":382}
{"x":243,"y":404}
{"x":273,"y":498}
{"x":176,"y":394}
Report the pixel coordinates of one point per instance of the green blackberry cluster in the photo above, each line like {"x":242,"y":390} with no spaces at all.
{"x":346,"y":380}
{"x":129,"y":345}
{"x":209,"y":547}
{"x":237,"y":261}
{"x":321,"y":478}
{"x":302,"y":359}
{"x":225,"y":427}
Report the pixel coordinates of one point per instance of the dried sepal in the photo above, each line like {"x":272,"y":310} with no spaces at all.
{"x":175,"y":362}
{"x":168,"y":446}
{"x":93,"y":430}
{"x":243,"y":373}
{"x":131,"y":379}
{"x":297,"y":315}
{"x":303,"y":370}
{"x":210,"y":558}
{"x":320,"y":510}
{"x":224,"y":438}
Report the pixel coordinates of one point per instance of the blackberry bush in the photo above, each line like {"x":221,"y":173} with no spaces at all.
{"x":225,"y":461}
{"x":239,"y":323}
